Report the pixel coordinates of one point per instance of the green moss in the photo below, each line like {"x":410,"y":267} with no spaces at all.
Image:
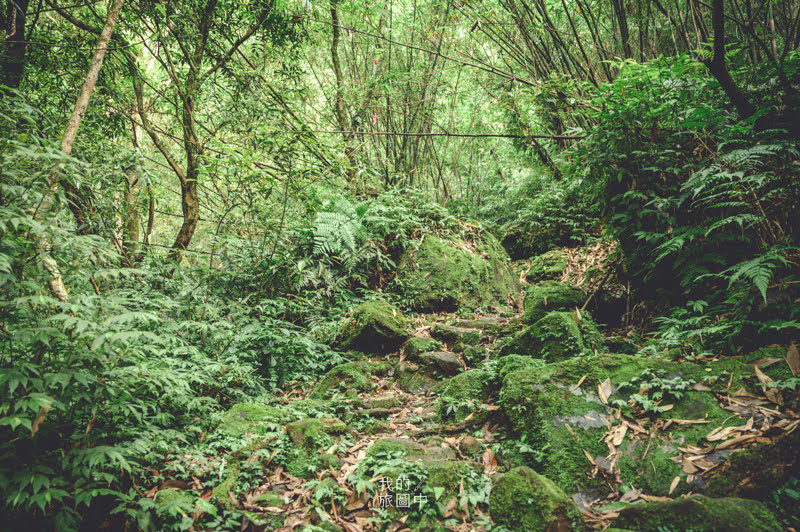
{"x":441,"y":275}
{"x":349,"y":376}
{"x":700,"y":514}
{"x":463,"y":392}
{"x":375,"y":327}
{"x":779,"y":370}
{"x":309,"y":437}
{"x":547,"y":267}
{"x":401,"y":446}
{"x":167,"y":497}
{"x":474,"y":355}
{"x":557,"y":336}
{"x":248,"y":417}
{"x":511,"y":363}
{"x":416,"y":346}
{"x":412,"y":378}
{"x":457,"y":338}
{"x":524,"y":500}
{"x":547,"y":297}
{"x":270,"y":499}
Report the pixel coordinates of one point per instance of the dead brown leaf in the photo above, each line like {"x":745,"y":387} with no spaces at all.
{"x":675,"y":482}
{"x":793,"y":359}
{"x":604,"y":391}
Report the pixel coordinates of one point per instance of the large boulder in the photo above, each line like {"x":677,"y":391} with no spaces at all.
{"x":698,"y":513}
{"x":445,"y":275}
{"x":375,"y":327}
{"x":546,"y":406}
{"x":557,"y":336}
{"x":524,"y":500}
{"x":547,"y":297}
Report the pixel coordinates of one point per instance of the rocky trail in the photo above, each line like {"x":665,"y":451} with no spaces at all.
{"x":526,"y":419}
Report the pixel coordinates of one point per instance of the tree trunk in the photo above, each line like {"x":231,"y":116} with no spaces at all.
{"x":13,"y":60}
{"x":56,"y":282}
{"x":718,"y":67}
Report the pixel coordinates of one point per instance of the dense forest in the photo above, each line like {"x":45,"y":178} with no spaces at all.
{"x":423,"y":265}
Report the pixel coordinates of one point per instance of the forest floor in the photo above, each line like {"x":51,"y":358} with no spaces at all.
{"x":409,"y":419}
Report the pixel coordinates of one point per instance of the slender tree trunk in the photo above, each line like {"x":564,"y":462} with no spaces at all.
{"x":341,"y":116}
{"x":56,"y":282}
{"x":12,"y":62}
{"x":718,"y":67}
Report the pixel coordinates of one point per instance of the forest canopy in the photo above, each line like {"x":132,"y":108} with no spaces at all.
{"x":258,"y":259}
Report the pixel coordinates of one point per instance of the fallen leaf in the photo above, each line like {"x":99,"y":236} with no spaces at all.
{"x":793,"y":359}
{"x":772,"y":394}
{"x":631,"y":495}
{"x":675,"y":482}
{"x":765,"y":362}
{"x":579,"y":382}
{"x":589,"y":456}
{"x":604,"y":391}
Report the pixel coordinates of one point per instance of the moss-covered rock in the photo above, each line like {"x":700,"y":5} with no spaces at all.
{"x":490,"y":326}
{"x":547,"y":297}
{"x":444,"y":275}
{"x":350,"y":376}
{"x":375,"y":327}
{"x":544,"y":404}
{"x":464,"y":392}
{"x":557,"y":336}
{"x":474,"y":355}
{"x":416,"y":346}
{"x":309,"y":437}
{"x":699,"y":514}
{"x":547,"y":267}
{"x":511,"y":363}
{"x":441,"y":363}
{"x":416,"y":378}
{"x":524,"y":500}
{"x":249,"y":417}
{"x":457,"y":338}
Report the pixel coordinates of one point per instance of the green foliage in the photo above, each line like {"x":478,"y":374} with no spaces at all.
{"x":652,"y":388}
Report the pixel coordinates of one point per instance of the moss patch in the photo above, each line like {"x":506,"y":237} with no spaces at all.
{"x":350,"y":376}
{"x":547,"y":297}
{"x":375,"y":327}
{"x":309,"y":437}
{"x":524,"y":500}
{"x":248,"y":417}
{"x":464,"y":392}
{"x":456,"y":337}
{"x":443,"y":275}
{"x":416,"y":346}
{"x":547,"y":267}
{"x":700,"y":514}
{"x":557,"y":336}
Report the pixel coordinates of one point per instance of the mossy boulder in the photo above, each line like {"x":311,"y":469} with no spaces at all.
{"x":548,"y":266}
{"x":557,"y":336}
{"x":474,"y":355}
{"x":349,"y":376}
{"x":547,"y":297}
{"x":457,"y":338}
{"x":309,"y":437}
{"x":546,"y":406}
{"x":417,"y":378}
{"x":699,"y":514}
{"x":416,"y":346}
{"x":249,"y":417}
{"x":490,"y":326}
{"x":511,"y":363}
{"x":446,"y":275}
{"x":464,"y":392}
{"x":525,"y":500}
{"x":375,"y":327}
